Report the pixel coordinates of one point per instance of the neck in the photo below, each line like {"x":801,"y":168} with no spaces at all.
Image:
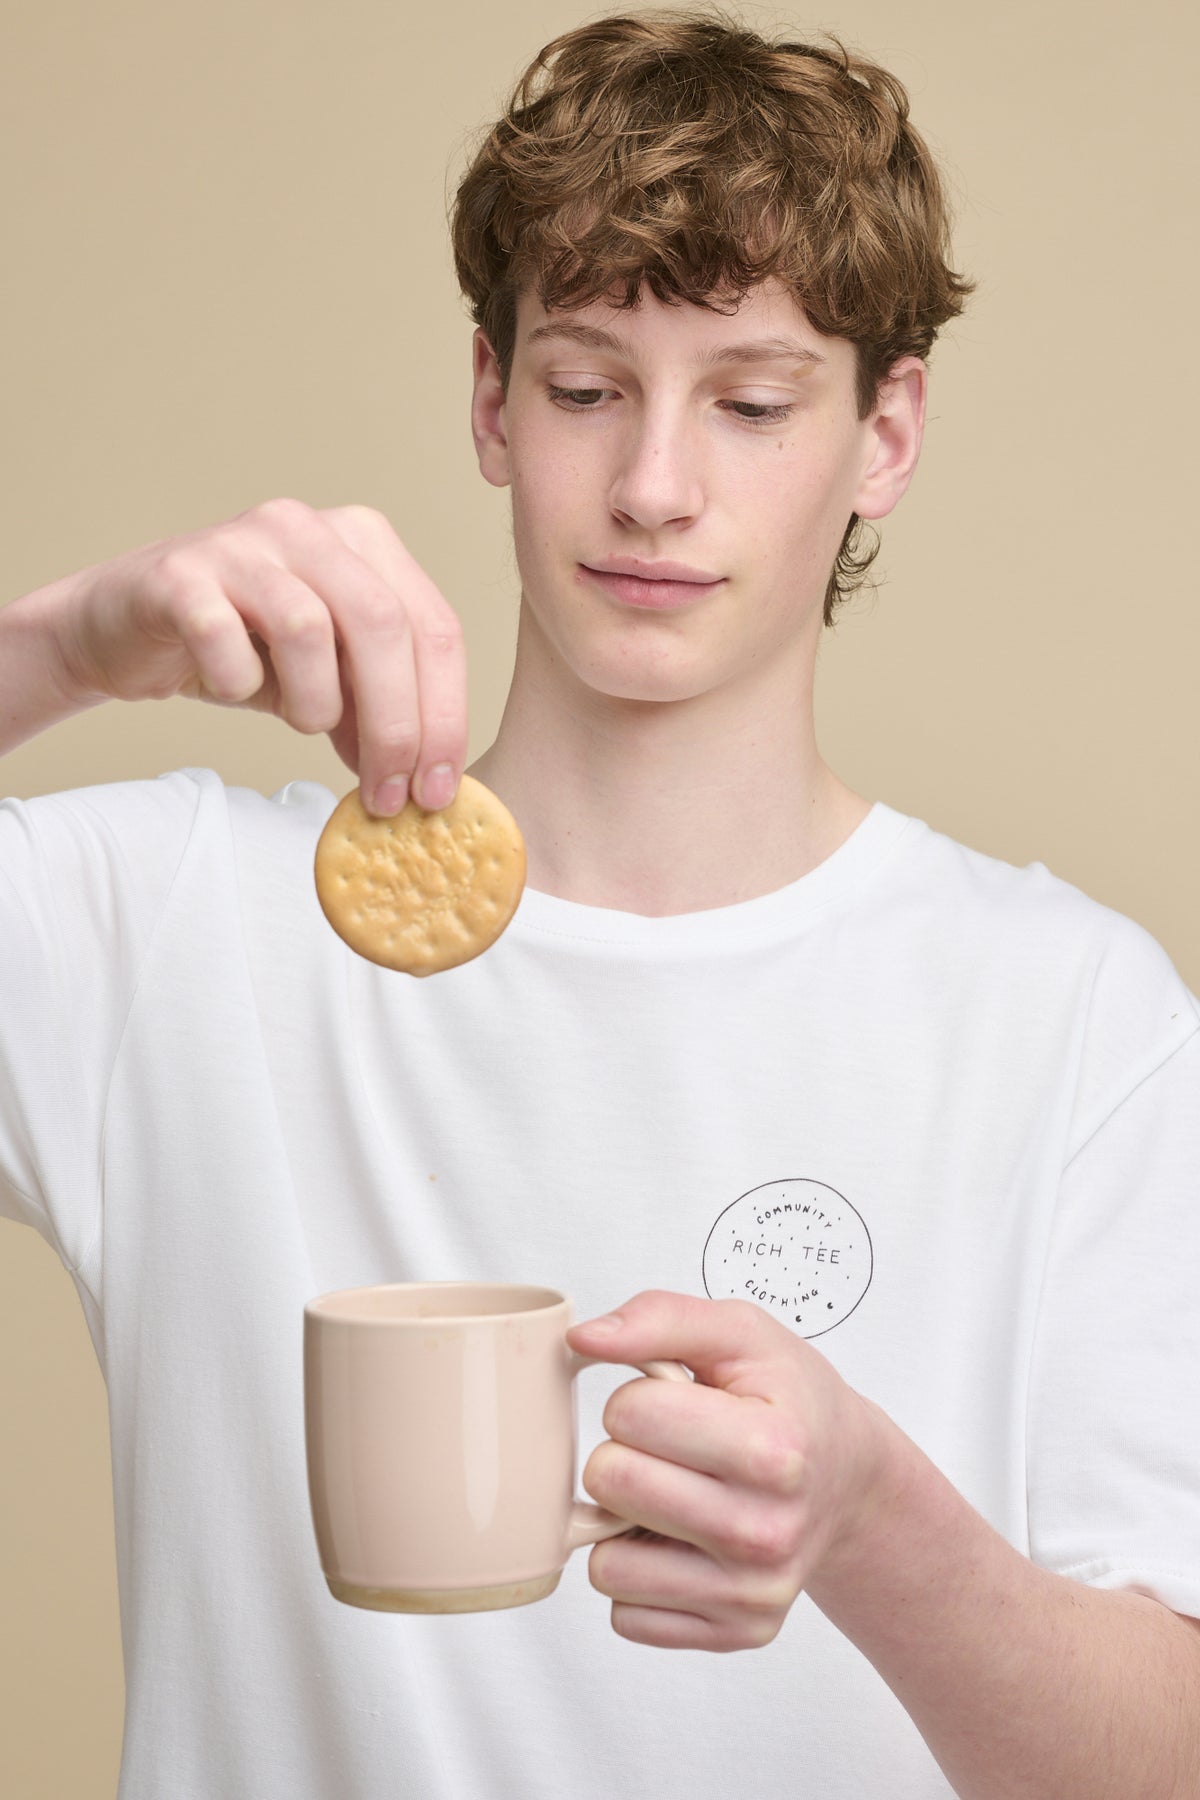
{"x":661,"y":807}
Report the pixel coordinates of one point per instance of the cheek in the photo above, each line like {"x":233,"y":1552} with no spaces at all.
{"x":808,"y":500}
{"x":547,"y":491}
{"x":788,"y":501}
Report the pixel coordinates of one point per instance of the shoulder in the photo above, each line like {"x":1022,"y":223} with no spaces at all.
{"x":107,"y":849}
{"x":163,"y":810}
{"x":138,"y":840}
{"x":127,"y":808}
{"x":1028,"y":905}
{"x":1092,"y":974}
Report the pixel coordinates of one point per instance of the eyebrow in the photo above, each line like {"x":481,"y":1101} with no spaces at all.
{"x":767,"y":349}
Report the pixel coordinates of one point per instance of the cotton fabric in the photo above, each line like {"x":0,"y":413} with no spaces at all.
{"x":937,"y":1114}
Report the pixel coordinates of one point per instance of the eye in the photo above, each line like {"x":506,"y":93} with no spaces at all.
{"x":586,"y":399}
{"x":758,"y":415}
{"x":582,"y":398}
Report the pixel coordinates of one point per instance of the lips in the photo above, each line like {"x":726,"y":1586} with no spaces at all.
{"x":659,"y":594}
{"x":646,"y":570}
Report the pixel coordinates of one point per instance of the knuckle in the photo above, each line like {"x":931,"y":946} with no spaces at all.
{"x":599,"y":1478}
{"x":202,"y":622}
{"x":402,"y":734}
{"x":174,"y":574}
{"x":283,"y":513}
{"x":323,"y":718}
{"x":747,"y":1311}
{"x":756,"y":1633}
{"x":444,"y":635}
{"x":300,"y":624}
{"x":776,"y":1462}
{"x":617,"y":1410}
{"x":759,"y":1538}
{"x":769,"y":1599}
{"x":377,"y":610}
{"x":398,"y":747}
{"x":599,"y":1572}
{"x":357,"y":514}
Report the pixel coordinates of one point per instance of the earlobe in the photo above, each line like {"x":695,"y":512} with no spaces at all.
{"x":896,"y":430}
{"x":488,"y":414}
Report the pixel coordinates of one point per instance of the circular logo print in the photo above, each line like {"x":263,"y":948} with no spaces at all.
{"x":797,"y":1247}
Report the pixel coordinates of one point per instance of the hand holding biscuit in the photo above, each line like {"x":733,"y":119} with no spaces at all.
{"x":323,"y":618}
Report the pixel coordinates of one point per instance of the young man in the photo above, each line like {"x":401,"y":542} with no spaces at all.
{"x":896,"y":1146}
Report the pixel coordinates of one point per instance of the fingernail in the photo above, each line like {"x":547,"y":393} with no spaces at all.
{"x":437,"y":787}
{"x":391,"y":795}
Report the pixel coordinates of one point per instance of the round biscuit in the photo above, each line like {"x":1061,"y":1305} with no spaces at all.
{"x":423,"y":891}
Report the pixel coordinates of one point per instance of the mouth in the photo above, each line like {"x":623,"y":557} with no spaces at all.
{"x":659,"y":595}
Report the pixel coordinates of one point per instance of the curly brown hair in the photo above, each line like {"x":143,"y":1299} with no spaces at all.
{"x":684,"y":151}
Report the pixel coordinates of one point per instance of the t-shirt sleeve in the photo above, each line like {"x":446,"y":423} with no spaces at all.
{"x":84,"y":878}
{"x":1113,"y":1420}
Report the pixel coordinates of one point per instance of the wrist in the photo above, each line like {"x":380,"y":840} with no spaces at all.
{"x":866,"y":1540}
{"x":55,"y":609}
{"x":37,"y":685}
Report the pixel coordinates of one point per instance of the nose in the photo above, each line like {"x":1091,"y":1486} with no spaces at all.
{"x":658,"y":476}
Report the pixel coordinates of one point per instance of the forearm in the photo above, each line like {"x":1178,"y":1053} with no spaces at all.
{"x":35,"y":689}
{"x":1025,"y":1685}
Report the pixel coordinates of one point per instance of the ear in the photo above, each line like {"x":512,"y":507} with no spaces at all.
{"x":487,"y":414}
{"x":893,"y":438}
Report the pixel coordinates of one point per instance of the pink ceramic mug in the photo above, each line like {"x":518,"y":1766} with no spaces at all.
{"x":440,"y":1428}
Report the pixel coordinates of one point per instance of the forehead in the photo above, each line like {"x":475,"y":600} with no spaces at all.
{"x":766,"y":325}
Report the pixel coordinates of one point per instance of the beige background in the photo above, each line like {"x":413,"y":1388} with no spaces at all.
{"x":227,"y":278}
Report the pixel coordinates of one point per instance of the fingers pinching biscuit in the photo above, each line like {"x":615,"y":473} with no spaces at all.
{"x":422,"y":891}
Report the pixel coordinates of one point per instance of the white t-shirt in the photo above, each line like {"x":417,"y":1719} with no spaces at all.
{"x":938,"y":1114}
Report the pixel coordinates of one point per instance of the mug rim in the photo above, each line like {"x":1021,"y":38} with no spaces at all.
{"x":337,"y":1306}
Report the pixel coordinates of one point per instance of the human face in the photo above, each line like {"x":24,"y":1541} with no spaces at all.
{"x":676,"y":434}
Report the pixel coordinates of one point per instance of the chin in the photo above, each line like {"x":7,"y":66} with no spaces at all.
{"x":658,"y":684}
{"x":617,"y":660}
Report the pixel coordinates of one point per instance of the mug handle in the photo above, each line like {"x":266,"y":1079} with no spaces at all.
{"x":589,"y":1523}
